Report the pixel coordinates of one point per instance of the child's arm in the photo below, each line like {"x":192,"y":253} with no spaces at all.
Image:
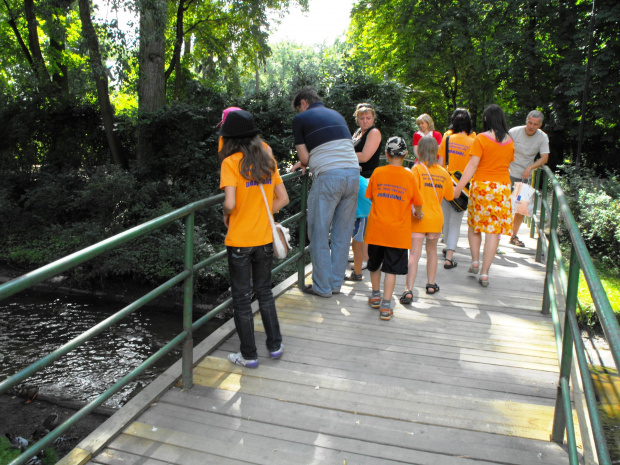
{"x":281,"y":198}
{"x":230,"y":200}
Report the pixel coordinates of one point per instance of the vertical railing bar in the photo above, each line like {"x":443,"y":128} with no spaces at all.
{"x":535,"y":185}
{"x":543,"y":210}
{"x":188,"y":303}
{"x":566,"y":360}
{"x":548,"y":286}
{"x":595,"y":419}
{"x":570,"y":424}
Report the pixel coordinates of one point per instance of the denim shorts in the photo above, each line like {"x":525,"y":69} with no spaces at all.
{"x":359,"y":229}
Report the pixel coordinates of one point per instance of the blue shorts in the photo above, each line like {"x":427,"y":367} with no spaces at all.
{"x":359,"y":229}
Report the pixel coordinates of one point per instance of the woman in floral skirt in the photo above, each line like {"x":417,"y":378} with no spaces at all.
{"x":489,"y":210}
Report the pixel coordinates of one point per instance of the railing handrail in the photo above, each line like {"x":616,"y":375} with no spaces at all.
{"x":570,"y":338}
{"x":59,"y":266}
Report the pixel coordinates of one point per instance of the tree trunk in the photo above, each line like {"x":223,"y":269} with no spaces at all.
{"x":33,"y":42}
{"x":101,"y":80}
{"x":152,"y":81}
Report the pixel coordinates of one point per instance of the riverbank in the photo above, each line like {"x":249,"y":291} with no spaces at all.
{"x":21,"y":419}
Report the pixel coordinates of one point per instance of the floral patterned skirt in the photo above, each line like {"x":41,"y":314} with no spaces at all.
{"x":489,"y":209}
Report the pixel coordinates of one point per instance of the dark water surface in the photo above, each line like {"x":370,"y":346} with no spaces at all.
{"x":32,"y":326}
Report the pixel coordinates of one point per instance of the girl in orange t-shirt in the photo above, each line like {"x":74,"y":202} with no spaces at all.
{"x":489,"y":210}
{"x":458,"y":139}
{"x":434,"y":183}
{"x":246,"y":164}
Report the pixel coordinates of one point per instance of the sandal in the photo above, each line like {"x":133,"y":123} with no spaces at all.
{"x":484,"y":282}
{"x":374,"y":301}
{"x":451,"y":265}
{"x":353,"y":277}
{"x":474,"y":269}
{"x":514,"y":240}
{"x":406,"y":298}
{"x":434,"y":287}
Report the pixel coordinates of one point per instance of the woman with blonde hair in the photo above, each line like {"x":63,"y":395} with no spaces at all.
{"x":247,"y":168}
{"x":426,"y":128}
{"x":367,"y":139}
{"x":489,"y":210}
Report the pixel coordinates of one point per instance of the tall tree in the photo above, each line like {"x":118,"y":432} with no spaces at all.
{"x":101,"y":81}
{"x":151,"y":72}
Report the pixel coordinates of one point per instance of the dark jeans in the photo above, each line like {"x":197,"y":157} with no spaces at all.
{"x":247,"y":265}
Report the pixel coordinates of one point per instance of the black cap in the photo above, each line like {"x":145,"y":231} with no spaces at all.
{"x":238,"y":124}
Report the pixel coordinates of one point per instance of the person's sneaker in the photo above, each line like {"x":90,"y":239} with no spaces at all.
{"x":277,"y":353}
{"x":237,"y":359}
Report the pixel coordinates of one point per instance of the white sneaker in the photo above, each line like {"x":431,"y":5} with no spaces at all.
{"x":237,"y":359}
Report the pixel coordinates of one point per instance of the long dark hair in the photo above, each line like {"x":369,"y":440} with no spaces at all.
{"x":460,"y":121}
{"x":257,"y":164}
{"x":493,"y":119}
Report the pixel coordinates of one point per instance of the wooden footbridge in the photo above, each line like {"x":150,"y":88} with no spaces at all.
{"x":468,"y":375}
{"x":465,"y":376}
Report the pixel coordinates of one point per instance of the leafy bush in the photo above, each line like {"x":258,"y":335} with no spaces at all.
{"x":595,"y":204}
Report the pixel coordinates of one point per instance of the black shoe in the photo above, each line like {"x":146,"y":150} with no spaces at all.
{"x":310,"y":290}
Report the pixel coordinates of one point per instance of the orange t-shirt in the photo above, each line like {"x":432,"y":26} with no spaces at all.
{"x":249,"y":224}
{"x":458,"y":147}
{"x":432,"y":193}
{"x":495,"y":158}
{"x":392,"y":190}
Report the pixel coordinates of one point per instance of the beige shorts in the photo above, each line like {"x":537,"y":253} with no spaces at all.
{"x":419,"y":235}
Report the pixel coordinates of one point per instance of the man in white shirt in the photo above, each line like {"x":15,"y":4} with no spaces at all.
{"x":529,"y":141}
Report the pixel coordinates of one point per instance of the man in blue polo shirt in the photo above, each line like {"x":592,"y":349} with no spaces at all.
{"x":324,"y":145}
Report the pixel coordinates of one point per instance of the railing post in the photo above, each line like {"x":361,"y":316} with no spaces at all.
{"x":548,"y":287}
{"x":535,"y":183}
{"x":543,"y":214}
{"x":559,"y":419}
{"x":301,"y":275}
{"x":188,"y":301}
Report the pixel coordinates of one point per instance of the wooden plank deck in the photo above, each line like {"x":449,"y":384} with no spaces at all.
{"x":465,"y":376}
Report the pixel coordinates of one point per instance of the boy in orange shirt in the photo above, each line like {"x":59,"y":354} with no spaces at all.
{"x":394,"y":194}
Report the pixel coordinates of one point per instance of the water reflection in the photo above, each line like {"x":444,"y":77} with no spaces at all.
{"x":32,"y":326}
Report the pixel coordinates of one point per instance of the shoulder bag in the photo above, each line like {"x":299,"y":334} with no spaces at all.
{"x":281,"y":235}
{"x":459,"y":204}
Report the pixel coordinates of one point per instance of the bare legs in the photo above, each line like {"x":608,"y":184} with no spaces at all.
{"x":388,"y":283}
{"x":414,"y":258}
{"x":431,"y":260}
{"x":516,"y":224}
{"x":491,"y":241}
{"x":358,"y":251}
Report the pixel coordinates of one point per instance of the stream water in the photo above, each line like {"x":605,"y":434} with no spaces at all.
{"x":33,"y":325}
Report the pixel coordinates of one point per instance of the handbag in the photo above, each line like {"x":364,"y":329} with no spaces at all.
{"x":281,"y":235}
{"x":459,"y":204}
{"x":523,"y":198}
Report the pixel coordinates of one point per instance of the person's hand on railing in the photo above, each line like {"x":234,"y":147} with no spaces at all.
{"x":298,"y":165}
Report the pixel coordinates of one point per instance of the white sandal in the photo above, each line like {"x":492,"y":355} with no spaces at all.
{"x":474,"y":269}
{"x":484,"y":282}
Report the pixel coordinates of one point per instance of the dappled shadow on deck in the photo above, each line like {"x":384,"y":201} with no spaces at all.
{"x":463,"y":376}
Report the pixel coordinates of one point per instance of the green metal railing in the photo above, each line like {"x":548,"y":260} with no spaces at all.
{"x":186,"y":277}
{"x":554,"y":207}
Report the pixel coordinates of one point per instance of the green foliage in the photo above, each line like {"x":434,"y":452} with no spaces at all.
{"x":8,"y":453}
{"x":595,"y":204}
